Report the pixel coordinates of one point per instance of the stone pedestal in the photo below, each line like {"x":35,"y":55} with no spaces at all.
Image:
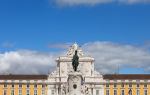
{"x":74,"y":83}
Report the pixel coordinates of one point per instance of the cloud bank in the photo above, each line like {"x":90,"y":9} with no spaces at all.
{"x":139,"y":1}
{"x":107,"y":57}
{"x":96,"y":2}
{"x":81,"y":2}
{"x":7,"y":45}
{"x":26,"y":62}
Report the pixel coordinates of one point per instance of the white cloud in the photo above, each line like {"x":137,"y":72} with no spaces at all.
{"x":139,"y":1}
{"x":134,"y":1}
{"x":81,"y":2}
{"x":96,"y":2}
{"x":26,"y":62}
{"x":108,"y":55}
{"x":7,"y":45}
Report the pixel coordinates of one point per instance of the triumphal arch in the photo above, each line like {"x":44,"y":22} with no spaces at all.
{"x":75,"y":75}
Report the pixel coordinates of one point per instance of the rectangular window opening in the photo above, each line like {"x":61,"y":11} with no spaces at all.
{"x":107,"y":92}
{"x":115,"y":92}
{"x":122,"y":92}
{"x":97,"y":92}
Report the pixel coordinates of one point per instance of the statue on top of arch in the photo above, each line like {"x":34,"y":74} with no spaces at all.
{"x":74,"y":48}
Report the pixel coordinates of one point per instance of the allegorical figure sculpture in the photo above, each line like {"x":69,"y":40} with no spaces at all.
{"x":75,"y":61}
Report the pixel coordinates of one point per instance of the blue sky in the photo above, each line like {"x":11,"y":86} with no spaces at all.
{"x":34,"y":24}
